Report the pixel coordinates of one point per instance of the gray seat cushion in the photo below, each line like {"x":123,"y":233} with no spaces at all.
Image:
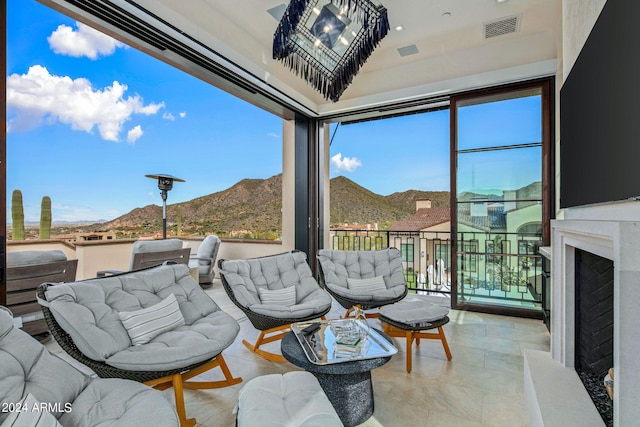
{"x":88,"y":312}
{"x":414,"y":309}
{"x":27,"y":367}
{"x":292,"y":399}
{"x":146,"y":246}
{"x":116,"y":402}
{"x":246,"y":276}
{"x":338,"y":266}
{"x":22,"y":258}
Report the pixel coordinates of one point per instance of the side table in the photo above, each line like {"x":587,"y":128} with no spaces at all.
{"x":347,"y":385}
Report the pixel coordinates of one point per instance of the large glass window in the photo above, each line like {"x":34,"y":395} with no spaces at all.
{"x":105,"y":115}
{"x":499,"y":174}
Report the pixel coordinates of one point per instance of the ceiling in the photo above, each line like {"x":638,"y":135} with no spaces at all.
{"x":233,"y":40}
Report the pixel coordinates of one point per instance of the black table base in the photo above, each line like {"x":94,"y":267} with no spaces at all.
{"x":351,"y":396}
{"x":347,"y":385}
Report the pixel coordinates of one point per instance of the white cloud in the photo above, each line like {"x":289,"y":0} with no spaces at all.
{"x":85,"y":41}
{"x":273,"y":135}
{"x":134,"y":134}
{"x":183,"y":114}
{"x":168,"y":116}
{"x":38,"y":97}
{"x":348,"y":164}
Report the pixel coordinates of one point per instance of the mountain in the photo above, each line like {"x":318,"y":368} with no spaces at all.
{"x":252,"y":208}
{"x":352,"y":203}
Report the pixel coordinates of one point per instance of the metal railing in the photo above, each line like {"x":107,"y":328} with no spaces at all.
{"x":491,"y":267}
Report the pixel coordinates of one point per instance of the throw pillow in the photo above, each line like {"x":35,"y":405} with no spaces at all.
{"x":366,"y":286}
{"x":146,"y":324}
{"x":284,"y":296}
{"x":29,"y":412}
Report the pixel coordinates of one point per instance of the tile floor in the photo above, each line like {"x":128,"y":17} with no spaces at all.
{"x":481,"y":386}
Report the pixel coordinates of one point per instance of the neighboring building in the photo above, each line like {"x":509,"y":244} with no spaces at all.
{"x":99,"y":235}
{"x":84,"y":237}
{"x":423,"y":241}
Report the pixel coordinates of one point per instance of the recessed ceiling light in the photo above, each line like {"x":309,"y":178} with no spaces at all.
{"x":500,"y":1}
{"x":446,"y":14}
{"x":399,"y":28}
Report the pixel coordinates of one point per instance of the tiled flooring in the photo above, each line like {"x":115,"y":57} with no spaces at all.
{"x":481,"y":386}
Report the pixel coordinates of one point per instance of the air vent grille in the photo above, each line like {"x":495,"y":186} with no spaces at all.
{"x":408,"y":50}
{"x":502,"y":26}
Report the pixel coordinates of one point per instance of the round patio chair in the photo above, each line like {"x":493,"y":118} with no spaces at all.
{"x":155,"y":326}
{"x":364,"y":279}
{"x":274,"y":291}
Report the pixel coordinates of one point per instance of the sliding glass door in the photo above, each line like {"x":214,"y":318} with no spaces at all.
{"x":500,"y":197}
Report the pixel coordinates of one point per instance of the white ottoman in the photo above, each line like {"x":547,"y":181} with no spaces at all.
{"x":289,"y":400}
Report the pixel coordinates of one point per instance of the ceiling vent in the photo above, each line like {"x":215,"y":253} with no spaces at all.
{"x":278,"y":11}
{"x":508,"y":25}
{"x":408,"y":50}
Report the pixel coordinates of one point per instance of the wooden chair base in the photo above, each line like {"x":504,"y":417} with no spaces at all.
{"x":179,"y":383}
{"x":410,"y":336}
{"x":352,"y":310}
{"x":267,"y":336}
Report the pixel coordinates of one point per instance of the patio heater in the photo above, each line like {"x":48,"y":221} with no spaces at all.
{"x":165,"y":183}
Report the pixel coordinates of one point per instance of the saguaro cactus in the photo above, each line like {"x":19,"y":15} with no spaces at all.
{"x":45,"y":218}
{"x":17,"y":216}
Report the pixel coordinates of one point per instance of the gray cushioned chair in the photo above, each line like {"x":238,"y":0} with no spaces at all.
{"x":25,"y":271}
{"x":26,"y":367}
{"x":250,"y":282}
{"x":149,"y":253}
{"x":205,"y":259}
{"x":339,"y":267}
{"x":85,"y":319}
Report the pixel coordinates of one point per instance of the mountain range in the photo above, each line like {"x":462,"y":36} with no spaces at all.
{"x":252,"y":208}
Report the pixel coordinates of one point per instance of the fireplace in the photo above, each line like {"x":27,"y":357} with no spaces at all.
{"x":618,"y":241}
{"x":594,"y":327}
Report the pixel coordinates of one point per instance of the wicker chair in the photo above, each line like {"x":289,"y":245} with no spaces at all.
{"x":250,"y":282}
{"x":200,"y":341}
{"x":341,"y":270}
{"x":75,"y":397}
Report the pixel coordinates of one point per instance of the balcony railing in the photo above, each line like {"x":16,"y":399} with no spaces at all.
{"x":490,"y":266}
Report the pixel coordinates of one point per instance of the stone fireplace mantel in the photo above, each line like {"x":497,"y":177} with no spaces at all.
{"x":620,"y":242}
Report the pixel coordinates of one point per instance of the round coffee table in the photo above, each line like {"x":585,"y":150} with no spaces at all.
{"x":347,"y":385}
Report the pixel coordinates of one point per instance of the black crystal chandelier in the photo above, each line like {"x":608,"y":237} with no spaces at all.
{"x":327,"y":41}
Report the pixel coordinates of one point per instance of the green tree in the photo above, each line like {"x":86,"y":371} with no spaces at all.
{"x":17,"y":215}
{"x":45,"y":218}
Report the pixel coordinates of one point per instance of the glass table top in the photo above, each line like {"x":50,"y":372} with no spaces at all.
{"x":341,"y":340}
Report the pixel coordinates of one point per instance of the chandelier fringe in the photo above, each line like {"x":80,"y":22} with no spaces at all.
{"x":331,"y":84}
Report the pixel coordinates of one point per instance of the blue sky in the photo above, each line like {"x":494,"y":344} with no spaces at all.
{"x":88,"y":118}
{"x":85,"y":131}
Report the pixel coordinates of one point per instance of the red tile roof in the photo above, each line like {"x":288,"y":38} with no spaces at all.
{"x":423,"y":218}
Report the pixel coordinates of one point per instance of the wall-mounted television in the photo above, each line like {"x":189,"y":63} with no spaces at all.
{"x":600,"y":112}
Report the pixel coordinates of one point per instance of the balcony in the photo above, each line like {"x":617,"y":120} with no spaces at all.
{"x":492,"y":268}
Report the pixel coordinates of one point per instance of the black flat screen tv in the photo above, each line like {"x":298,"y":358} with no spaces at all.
{"x":600,"y":112}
